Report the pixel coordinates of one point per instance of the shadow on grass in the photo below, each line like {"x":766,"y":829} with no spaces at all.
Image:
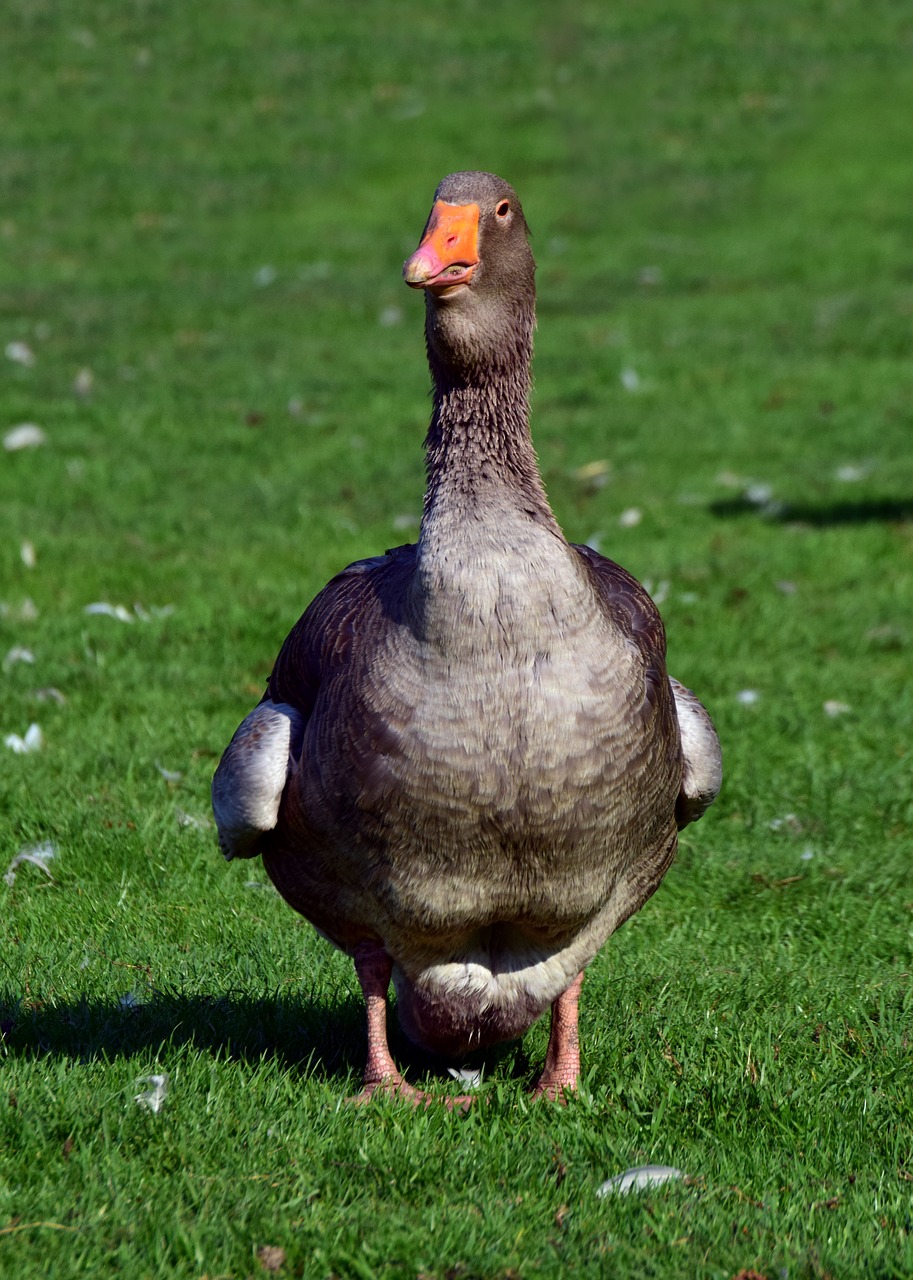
{"x":884,"y":510}
{"x":321,"y":1038}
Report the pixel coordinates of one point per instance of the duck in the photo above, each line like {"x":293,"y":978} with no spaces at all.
{"x":470,"y":765}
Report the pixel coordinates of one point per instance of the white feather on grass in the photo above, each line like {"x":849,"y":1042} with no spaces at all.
{"x":26,"y":435}
{"x":639,"y":1179}
{"x":39,"y":855}
{"x":23,"y":746}
{"x":152,"y":1099}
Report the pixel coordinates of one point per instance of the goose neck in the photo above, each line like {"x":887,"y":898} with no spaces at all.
{"x":479,"y":450}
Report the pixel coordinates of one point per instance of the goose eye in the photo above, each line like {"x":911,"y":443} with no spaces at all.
{"x":503,"y":209}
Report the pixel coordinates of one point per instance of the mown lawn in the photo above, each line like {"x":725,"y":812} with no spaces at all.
{"x":204,"y":212}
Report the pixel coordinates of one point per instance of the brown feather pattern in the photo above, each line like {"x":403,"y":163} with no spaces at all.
{"x":490,"y":762}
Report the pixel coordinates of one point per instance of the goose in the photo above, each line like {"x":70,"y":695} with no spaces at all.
{"x":470,"y":765}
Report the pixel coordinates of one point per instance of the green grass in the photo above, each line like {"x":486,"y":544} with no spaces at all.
{"x":720,"y":196}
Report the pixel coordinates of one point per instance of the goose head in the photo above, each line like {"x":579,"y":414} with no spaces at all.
{"x":477,"y":271}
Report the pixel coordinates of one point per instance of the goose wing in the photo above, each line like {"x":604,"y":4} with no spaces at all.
{"x":635,"y":614}
{"x":702,"y":774}
{"x":249,"y":783}
{"x":636,"y":617}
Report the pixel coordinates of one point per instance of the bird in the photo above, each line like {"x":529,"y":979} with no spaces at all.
{"x":470,"y":764}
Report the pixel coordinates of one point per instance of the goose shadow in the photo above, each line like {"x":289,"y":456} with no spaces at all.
{"x":325,"y":1037}
{"x":317,"y":1037}
{"x":874,"y":510}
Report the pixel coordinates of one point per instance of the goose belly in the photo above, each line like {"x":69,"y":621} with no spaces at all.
{"x":519,"y":793}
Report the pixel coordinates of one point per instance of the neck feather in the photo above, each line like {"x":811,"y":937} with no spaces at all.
{"x":479,"y":452}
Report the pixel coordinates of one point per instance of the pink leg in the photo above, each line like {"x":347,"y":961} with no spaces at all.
{"x":562,"y":1058}
{"x":373,"y":967}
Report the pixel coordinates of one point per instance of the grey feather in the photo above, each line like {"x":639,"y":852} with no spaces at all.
{"x":470,"y":752}
{"x":702,"y":773}
{"x":251,"y":777}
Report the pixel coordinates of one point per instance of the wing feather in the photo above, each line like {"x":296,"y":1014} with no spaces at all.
{"x":636,"y":615}
{"x":248,"y":785}
{"x":702,"y":774}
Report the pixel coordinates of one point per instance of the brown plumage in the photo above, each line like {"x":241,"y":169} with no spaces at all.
{"x":468,"y":769}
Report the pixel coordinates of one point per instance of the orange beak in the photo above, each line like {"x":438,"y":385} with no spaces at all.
{"x":449,"y":251}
